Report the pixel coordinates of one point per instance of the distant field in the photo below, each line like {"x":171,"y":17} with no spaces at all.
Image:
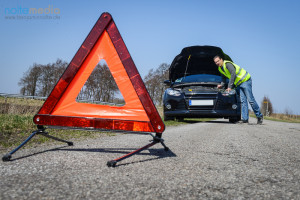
{"x":19,"y":106}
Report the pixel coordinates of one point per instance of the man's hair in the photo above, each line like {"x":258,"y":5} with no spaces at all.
{"x":218,"y":56}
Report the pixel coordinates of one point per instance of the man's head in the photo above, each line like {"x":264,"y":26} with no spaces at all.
{"x":218,"y":60}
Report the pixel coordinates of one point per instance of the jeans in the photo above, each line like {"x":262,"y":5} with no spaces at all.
{"x":245,"y":90}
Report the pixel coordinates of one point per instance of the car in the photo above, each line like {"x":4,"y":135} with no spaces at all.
{"x":192,"y":87}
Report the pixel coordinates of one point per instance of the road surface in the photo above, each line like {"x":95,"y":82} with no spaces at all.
{"x":208,"y":160}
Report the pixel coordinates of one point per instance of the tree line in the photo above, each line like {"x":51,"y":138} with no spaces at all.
{"x":154,"y":82}
{"x":101,"y":86}
{"x":40,"y":79}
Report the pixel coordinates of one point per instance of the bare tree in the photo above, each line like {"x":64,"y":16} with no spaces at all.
{"x":100,"y":86}
{"x":154,"y":82}
{"x":29,"y":81}
{"x":41,"y":79}
{"x":108,"y":83}
{"x":50,"y":75}
{"x":45,"y":80}
{"x":163,"y":73}
{"x":60,"y":67}
{"x":266,"y":106}
{"x":150,"y":83}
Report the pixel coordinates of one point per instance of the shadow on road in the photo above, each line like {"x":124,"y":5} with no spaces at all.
{"x":37,"y":153}
{"x":159,"y":153}
{"x":219,"y":122}
{"x":241,"y":124}
{"x":213,"y":120}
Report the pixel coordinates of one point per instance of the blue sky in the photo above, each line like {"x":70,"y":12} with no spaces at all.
{"x":260,"y":36}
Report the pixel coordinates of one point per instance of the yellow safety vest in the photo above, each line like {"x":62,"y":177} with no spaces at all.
{"x":241,"y":74}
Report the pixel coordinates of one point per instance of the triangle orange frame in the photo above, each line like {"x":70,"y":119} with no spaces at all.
{"x":138,"y":114}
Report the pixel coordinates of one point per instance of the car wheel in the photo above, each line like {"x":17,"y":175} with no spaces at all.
{"x":166,"y":118}
{"x":180,"y":119}
{"x":234,"y":119}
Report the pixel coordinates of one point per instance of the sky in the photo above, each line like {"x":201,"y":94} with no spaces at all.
{"x":260,"y":36}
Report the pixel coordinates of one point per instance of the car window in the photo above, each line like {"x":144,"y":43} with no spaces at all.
{"x":199,"y":78}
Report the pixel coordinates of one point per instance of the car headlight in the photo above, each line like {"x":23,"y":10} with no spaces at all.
{"x":173,"y":92}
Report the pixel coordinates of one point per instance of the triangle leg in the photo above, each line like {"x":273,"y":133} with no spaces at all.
{"x":41,"y":131}
{"x":156,"y":139}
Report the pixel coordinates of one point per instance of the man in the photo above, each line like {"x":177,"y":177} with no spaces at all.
{"x":238,"y":77}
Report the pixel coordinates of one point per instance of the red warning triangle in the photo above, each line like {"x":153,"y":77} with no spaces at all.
{"x":138,"y":114}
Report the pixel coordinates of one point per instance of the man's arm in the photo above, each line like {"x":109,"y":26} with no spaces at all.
{"x":231,"y":69}
{"x":223,"y":81}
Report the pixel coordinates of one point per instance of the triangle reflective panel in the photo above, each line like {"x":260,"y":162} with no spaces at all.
{"x":138,"y":114}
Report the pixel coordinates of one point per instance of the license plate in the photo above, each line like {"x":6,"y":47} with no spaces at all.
{"x":201,"y":102}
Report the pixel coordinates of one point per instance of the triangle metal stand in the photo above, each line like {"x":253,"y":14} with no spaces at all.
{"x":156,"y":139}
{"x":41,"y":131}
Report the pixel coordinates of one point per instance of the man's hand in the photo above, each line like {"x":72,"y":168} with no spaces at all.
{"x":228,"y":89}
{"x":219,"y":86}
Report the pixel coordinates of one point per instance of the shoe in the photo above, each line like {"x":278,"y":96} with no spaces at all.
{"x":243,"y":121}
{"x":260,"y":120}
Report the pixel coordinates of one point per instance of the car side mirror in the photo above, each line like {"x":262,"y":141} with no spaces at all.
{"x":167,"y":82}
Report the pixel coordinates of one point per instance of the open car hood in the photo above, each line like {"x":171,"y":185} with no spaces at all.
{"x":200,"y":62}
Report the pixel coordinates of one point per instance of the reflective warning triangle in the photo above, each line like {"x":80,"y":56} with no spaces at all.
{"x":138,"y":114}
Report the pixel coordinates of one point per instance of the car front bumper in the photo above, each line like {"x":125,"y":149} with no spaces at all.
{"x":202,"y":113}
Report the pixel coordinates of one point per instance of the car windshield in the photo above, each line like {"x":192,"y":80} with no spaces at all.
{"x":199,"y":78}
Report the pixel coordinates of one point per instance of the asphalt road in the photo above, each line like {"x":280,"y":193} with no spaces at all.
{"x":210,"y":160}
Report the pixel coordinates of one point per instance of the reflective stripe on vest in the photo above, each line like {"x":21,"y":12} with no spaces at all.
{"x":241,"y":74}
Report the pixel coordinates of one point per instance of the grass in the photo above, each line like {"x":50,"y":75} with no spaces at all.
{"x":16,"y":124}
{"x":14,"y":129}
{"x":21,"y":101}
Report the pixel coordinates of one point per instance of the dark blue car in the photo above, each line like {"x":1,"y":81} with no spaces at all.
{"x":193,"y":92}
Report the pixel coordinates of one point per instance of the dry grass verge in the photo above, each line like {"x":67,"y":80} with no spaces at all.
{"x":281,"y":117}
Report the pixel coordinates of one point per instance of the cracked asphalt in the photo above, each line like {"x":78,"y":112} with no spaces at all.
{"x":208,"y":160}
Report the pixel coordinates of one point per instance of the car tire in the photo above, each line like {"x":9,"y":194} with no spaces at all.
{"x":180,"y":119}
{"x":234,"y":119}
{"x":166,"y":118}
